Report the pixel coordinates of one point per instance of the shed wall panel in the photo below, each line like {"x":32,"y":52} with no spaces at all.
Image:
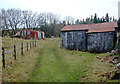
{"x":64,"y":40}
{"x":74,"y":40}
{"x":100,"y":42}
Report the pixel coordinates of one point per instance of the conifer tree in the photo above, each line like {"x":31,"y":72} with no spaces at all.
{"x":95,"y":18}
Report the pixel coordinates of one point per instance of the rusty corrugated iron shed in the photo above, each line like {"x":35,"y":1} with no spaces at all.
{"x":99,"y":27}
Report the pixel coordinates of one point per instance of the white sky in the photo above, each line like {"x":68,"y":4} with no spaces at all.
{"x":78,"y":9}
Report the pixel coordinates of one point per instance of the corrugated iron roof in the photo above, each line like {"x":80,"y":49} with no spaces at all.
{"x":17,"y":34}
{"x":99,"y":27}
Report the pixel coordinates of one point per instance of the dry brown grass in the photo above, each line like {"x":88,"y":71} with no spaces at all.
{"x":20,"y":69}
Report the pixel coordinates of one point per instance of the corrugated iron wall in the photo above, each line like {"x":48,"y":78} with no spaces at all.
{"x":74,"y":40}
{"x":32,"y":34}
{"x":93,"y":42}
{"x":100,"y":42}
{"x":64,"y":40}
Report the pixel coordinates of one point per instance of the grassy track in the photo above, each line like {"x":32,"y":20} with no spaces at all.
{"x":49,"y":63}
{"x":56,"y":64}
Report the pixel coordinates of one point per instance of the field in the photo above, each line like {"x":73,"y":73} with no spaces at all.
{"x":50,"y":63}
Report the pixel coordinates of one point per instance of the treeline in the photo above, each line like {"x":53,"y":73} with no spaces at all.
{"x":14,"y":20}
{"x":95,"y":19}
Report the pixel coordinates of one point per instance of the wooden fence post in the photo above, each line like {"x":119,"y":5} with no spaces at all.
{"x":3,"y":55}
{"x":27,"y":46}
{"x":35,"y":43}
{"x":22,"y":48}
{"x":30,"y":44}
{"x":14,"y":52}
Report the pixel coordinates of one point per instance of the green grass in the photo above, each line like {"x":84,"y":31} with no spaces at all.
{"x":56,"y":64}
{"x":49,"y":63}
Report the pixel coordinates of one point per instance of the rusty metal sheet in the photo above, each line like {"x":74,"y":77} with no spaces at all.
{"x":98,"y":27}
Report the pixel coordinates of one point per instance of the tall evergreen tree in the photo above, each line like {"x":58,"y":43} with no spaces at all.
{"x":113,"y":18}
{"x":107,"y":18}
{"x":98,"y":20}
{"x":64,"y":23}
{"x":87,"y":19}
{"x":77,"y":21}
{"x":83,"y":20}
{"x":95,"y":18}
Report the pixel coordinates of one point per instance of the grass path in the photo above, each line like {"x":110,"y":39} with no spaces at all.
{"x":47,"y":67}
{"x":56,"y":64}
{"x":49,"y":63}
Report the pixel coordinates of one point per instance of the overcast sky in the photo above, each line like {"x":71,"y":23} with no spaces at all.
{"x":76,"y":8}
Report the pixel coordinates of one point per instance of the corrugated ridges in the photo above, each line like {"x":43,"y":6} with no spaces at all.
{"x":99,"y":27}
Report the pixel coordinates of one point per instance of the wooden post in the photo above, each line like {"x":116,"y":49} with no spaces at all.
{"x":35,"y":43}
{"x":3,"y":55}
{"x":14,"y":52}
{"x":27,"y":46}
{"x":22,"y":48}
{"x":30,"y":44}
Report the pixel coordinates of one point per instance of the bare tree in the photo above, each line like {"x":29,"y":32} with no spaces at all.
{"x":34,"y":20}
{"x":41,"y":19}
{"x":26,"y":19}
{"x":14,"y":18}
{"x":53,"y":20}
{"x":48,"y":22}
{"x":69,"y":19}
{"x":4,"y":22}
